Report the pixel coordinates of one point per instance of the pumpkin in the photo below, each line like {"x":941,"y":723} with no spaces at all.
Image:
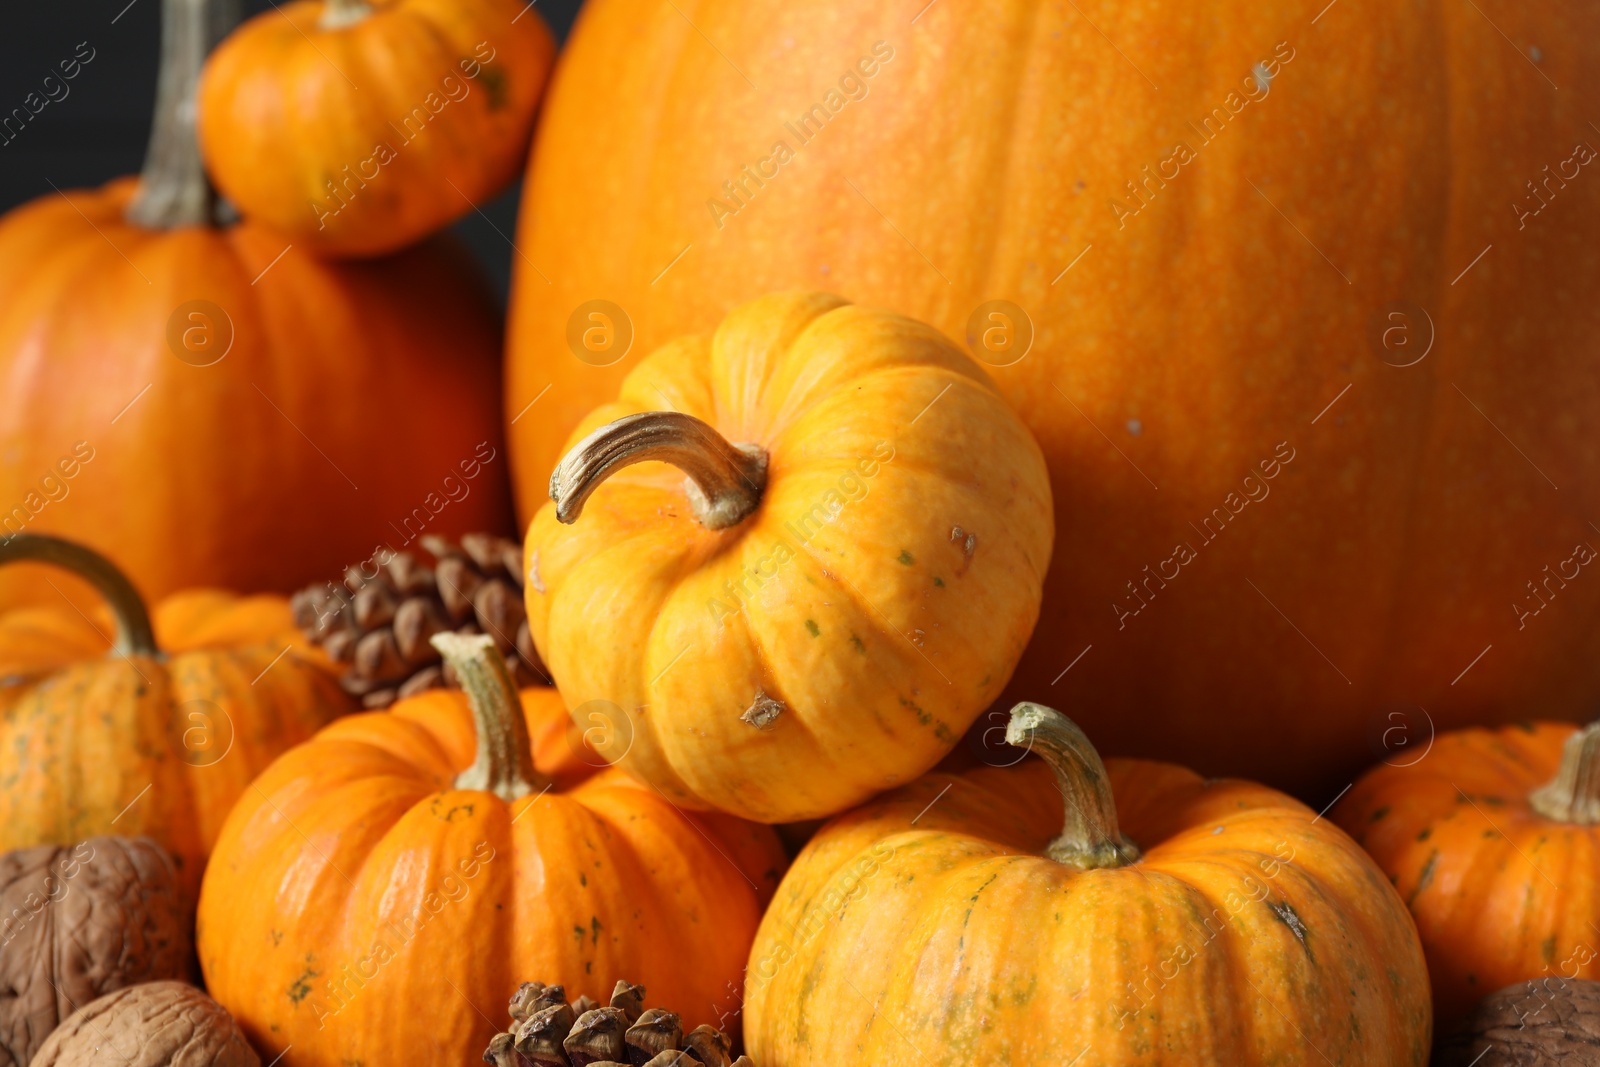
{"x":158,"y":1024}
{"x":39,"y":638}
{"x":843,"y":581}
{"x":1491,"y":838}
{"x":1174,"y":338}
{"x":210,"y":407}
{"x":357,"y":127}
{"x":140,"y":742}
{"x":78,"y":921}
{"x":415,"y":857}
{"x":1063,"y":910}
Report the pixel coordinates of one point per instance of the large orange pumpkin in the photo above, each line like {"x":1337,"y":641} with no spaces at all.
{"x":359,"y":127}
{"x":1493,"y":839}
{"x":1002,"y":916}
{"x":842,"y":583}
{"x":143,"y":740}
{"x":385,"y":887}
{"x":210,"y":406}
{"x":1198,"y":315}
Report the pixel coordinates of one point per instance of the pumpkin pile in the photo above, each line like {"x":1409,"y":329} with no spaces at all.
{"x":388,"y":679}
{"x":443,"y":865}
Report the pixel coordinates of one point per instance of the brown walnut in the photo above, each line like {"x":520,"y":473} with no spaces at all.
{"x":77,"y":922}
{"x":1545,"y":1022}
{"x":158,"y":1024}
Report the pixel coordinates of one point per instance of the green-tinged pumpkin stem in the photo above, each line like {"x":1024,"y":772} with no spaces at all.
{"x":1089,"y":838}
{"x":135,"y":636}
{"x":725,"y":480}
{"x":504,"y":764}
{"x":337,"y":13}
{"x":173,"y":189}
{"x":1574,"y":794}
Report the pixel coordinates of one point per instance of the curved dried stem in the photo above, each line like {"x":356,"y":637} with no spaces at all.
{"x":1089,"y":838}
{"x":725,"y":481}
{"x":135,"y":636}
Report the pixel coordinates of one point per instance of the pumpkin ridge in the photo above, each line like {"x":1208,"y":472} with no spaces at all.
{"x":835,"y":976}
{"x":351,"y":730}
{"x":803,"y":394}
{"x":934,"y":1039}
{"x":788,"y":429}
{"x":877,"y":622}
{"x":670,"y":743}
{"x":763,"y":345}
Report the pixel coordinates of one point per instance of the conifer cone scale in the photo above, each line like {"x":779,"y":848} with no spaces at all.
{"x":379,"y":621}
{"x":546,"y":1031}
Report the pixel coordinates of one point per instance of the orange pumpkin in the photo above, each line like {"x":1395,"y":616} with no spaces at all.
{"x":211,"y":407}
{"x":144,"y":741}
{"x":357,"y":127}
{"x":823,"y":606}
{"x":1003,"y":916}
{"x":1188,"y":337}
{"x":1493,"y":840}
{"x":416,"y":857}
{"x":40,"y":638}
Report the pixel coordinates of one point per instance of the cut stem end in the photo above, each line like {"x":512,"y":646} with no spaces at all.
{"x":504,"y":764}
{"x":1573,"y":796}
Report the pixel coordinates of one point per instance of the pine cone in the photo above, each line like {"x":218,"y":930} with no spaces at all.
{"x":379,"y":627}
{"x":546,"y":1031}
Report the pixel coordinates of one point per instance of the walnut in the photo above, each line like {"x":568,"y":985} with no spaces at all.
{"x":1544,"y":1022}
{"x":77,"y":922}
{"x":158,"y":1024}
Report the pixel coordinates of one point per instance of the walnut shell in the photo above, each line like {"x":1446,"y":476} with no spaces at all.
{"x":158,"y":1024}
{"x":1546,"y":1022}
{"x":77,"y":922}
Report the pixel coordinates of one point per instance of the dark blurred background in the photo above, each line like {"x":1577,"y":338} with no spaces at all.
{"x":98,"y":130}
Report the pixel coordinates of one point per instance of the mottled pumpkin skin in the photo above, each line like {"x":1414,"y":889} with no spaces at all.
{"x":160,"y":747}
{"x":848,"y":595}
{"x":332,"y":415}
{"x":361,"y":910}
{"x":39,"y":638}
{"x":1500,"y":893}
{"x":446,"y":88}
{"x":1187,"y":343}
{"x":928,"y":928}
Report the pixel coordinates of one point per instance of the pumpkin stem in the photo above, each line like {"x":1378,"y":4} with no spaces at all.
{"x":725,"y":480}
{"x":1090,"y":838}
{"x":135,"y":637}
{"x":173,"y":190}
{"x":504,"y":765}
{"x":1574,"y":794}
{"x":337,"y":13}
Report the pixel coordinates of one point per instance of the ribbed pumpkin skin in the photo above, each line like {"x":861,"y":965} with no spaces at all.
{"x":928,"y":928}
{"x":579,"y":887}
{"x":1500,"y":893}
{"x":287,"y":105}
{"x":332,"y":416}
{"x":161,"y":748}
{"x":847,"y":595}
{"x":1196,"y":337}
